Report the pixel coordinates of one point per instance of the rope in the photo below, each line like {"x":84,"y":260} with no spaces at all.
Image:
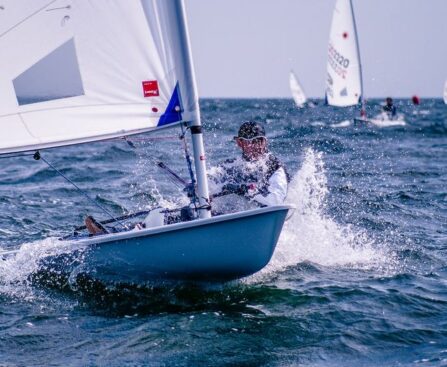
{"x":37,"y":156}
{"x":191,"y":172}
{"x":16,"y":155}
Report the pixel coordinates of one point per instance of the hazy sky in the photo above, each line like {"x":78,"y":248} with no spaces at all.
{"x":246,"y":48}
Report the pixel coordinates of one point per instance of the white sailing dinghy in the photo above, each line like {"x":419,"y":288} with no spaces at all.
{"x":344,"y":86}
{"x":297,"y":91}
{"x":445,"y":92}
{"x":384,"y":120}
{"x":76,"y":71}
{"x":344,"y":83}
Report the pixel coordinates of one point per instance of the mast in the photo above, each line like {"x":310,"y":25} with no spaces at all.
{"x":193,"y":106}
{"x":362,"y":100}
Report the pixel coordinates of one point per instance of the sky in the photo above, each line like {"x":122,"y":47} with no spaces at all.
{"x":246,"y":48}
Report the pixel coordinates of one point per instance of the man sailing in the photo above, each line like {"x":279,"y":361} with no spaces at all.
{"x":255,"y":179}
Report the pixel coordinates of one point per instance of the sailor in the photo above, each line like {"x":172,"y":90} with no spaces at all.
{"x":257,"y":177}
{"x":390,"y":108}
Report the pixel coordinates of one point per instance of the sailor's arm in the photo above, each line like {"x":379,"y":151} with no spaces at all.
{"x":216,"y":177}
{"x":277,"y":189}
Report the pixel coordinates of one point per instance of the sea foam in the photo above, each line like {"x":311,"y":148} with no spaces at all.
{"x":310,"y":235}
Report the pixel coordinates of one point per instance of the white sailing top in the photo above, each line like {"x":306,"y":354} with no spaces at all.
{"x":266,"y":179}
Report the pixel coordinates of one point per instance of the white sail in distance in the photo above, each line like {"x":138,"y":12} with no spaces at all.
{"x":297,"y":92}
{"x":344,"y":74}
{"x":445,"y":92}
{"x":74,"y":71}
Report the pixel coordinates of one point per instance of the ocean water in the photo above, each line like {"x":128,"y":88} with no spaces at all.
{"x":359,"y":276}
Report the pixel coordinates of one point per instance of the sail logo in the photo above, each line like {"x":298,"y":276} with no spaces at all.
{"x":150,"y":88}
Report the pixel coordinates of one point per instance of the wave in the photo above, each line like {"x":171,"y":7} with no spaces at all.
{"x":310,"y":235}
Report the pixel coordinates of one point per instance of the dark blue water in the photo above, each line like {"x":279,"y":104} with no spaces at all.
{"x":358,"y":277}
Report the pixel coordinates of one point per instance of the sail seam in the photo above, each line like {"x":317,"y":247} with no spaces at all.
{"x":28,"y":17}
{"x":74,"y":107}
{"x":109,"y":136}
{"x":27,"y":129}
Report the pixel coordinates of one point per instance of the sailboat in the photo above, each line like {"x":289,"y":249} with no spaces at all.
{"x":297,"y":91}
{"x":344,"y":85}
{"x":76,"y":72}
{"x":445,"y":92}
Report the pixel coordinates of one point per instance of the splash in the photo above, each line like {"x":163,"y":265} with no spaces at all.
{"x":17,"y":266}
{"x":310,"y":235}
{"x":344,"y":123}
{"x":383,"y":120}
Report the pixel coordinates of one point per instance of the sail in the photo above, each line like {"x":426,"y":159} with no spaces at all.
{"x":297,"y":92}
{"x":344,"y":74}
{"x":75,"y":71}
{"x":445,"y":92}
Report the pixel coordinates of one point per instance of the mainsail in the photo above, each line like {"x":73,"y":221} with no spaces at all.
{"x":75,"y":71}
{"x":297,"y":92}
{"x":445,"y":92}
{"x":344,"y":73}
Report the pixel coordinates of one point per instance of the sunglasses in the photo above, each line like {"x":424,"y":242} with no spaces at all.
{"x":256,"y":139}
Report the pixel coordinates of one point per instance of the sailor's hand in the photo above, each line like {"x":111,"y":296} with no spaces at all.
{"x":234,"y":189}
{"x":238,"y":189}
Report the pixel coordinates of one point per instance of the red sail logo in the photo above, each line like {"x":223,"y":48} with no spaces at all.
{"x":150,"y":88}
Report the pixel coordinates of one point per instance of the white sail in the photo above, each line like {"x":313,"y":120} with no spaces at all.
{"x":344,"y":74}
{"x":297,"y":92}
{"x":74,"y":71}
{"x":445,"y":92}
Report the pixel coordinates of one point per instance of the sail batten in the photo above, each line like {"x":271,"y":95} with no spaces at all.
{"x":24,"y":147}
{"x":77,"y":71}
{"x":344,"y":79}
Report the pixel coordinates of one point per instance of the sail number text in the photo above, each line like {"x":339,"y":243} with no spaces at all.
{"x":337,"y":61}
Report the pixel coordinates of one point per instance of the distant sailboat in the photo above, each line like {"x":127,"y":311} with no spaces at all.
{"x":445,"y":92}
{"x":297,"y":92}
{"x":344,"y":85}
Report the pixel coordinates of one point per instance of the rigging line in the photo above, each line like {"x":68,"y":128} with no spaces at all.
{"x":16,"y":155}
{"x":173,"y":181}
{"x":189,"y":164}
{"x":167,"y":171}
{"x":60,"y":8}
{"x":37,"y":156}
{"x":174,"y":177}
{"x":170,"y":174}
{"x":28,"y":17}
{"x":155,"y":138}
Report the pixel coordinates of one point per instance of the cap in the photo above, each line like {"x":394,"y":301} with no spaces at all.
{"x":250,"y":130}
